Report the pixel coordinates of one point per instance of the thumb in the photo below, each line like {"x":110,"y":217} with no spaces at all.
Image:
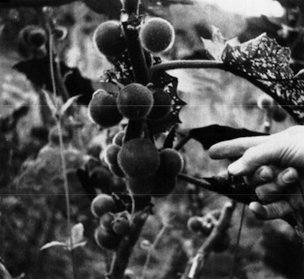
{"x":256,"y":156}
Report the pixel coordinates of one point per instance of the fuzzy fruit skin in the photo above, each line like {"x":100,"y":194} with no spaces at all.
{"x":194,"y":224}
{"x":163,"y":185}
{"x":103,"y":109}
{"x":140,"y":186}
{"x":102,"y":204}
{"x":110,"y":154}
{"x":139,"y":158}
{"x":121,"y":226}
{"x":161,"y":107}
{"x":119,"y":138}
{"x":108,"y":38}
{"x":135,"y":101}
{"x":106,"y":239}
{"x":157,"y":35}
{"x":171,"y":162}
{"x":106,"y":221}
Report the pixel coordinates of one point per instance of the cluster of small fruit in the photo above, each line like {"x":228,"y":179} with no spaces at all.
{"x":113,"y":226}
{"x":204,"y":226}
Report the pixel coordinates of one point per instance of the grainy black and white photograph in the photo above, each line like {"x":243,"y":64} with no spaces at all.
{"x":151,"y":139}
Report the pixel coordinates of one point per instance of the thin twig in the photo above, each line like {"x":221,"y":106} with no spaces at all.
{"x":151,"y":249}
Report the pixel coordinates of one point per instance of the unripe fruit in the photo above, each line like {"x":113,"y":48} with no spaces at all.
{"x":278,"y":114}
{"x":110,"y":154}
{"x":101,"y":178}
{"x":163,"y":185}
{"x":54,"y":136}
{"x":264,"y":102}
{"x":108,"y":38}
{"x":103,"y":109}
{"x":157,"y":35}
{"x":135,"y":101}
{"x":121,"y":225}
{"x":102,"y":204}
{"x":106,"y":221}
{"x":116,"y":170}
{"x":106,"y":239}
{"x":139,"y":158}
{"x":194,"y":224}
{"x":161,"y":107}
{"x":171,"y":162}
{"x":119,"y":138}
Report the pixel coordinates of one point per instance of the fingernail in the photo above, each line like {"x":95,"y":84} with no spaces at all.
{"x":265,"y":173}
{"x":289,"y":176}
{"x":235,"y":168}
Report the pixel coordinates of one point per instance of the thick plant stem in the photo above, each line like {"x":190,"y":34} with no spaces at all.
{"x":126,"y":246}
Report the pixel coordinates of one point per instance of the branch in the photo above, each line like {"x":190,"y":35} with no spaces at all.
{"x":199,"y":260}
{"x":127,"y":244}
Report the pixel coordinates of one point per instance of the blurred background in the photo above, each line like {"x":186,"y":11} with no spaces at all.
{"x":32,"y":203}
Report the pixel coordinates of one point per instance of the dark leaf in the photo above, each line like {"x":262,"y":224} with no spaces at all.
{"x":37,"y":70}
{"x":170,"y":138}
{"x":213,"y":134}
{"x":266,"y":64}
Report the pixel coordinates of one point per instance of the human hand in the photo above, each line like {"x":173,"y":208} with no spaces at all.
{"x":272,"y":164}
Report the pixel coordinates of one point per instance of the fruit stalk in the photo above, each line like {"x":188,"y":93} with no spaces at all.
{"x":125,"y":248}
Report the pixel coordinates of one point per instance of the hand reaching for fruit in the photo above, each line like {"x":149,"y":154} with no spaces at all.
{"x":273,"y":165}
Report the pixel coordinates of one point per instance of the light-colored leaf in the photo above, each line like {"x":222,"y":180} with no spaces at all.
{"x":50,"y":102}
{"x":68,"y":103}
{"x":77,"y":233}
{"x":53,"y":244}
{"x":216,"y":45}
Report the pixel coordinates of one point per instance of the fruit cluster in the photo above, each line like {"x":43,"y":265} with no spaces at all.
{"x":205,"y":224}
{"x":112,"y":226}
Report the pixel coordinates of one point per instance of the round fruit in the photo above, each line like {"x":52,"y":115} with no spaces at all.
{"x":171,"y":162}
{"x":194,"y":224}
{"x":116,"y":170}
{"x":264,"y":102}
{"x":101,"y":178}
{"x":108,"y":38}
{"x":135,"y":101}
{"x":121,"y":225}
{"x":141,"y":186}
{"x":106,"y":221}
{"x":119,"y":138}
{"x":110,"y":154}
{"x":278,"y":114}
{"x":102,"y":204}
{"x":139,"y":158}
{"x":103,"y":109}
{"x":106,"y":239}
{"x":157,"y":35}
{"x":161,"y":107}
{"x":163,"y":185}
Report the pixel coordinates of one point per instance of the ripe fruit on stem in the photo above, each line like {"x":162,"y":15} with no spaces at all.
{"x":103,"y":109}
{"x":140,"y":186}
{"x":119,"y":138}
{"x":108,"y":38}
{"x":161,"y":107}
{"x":107,"y":239}
{"x":171,"y":162}
{"x":157,"y":35}
{"x":106,"y":221}
{"x":121,"y":225}
{"x":102,"y":204}
{"x":110,"y":154}
{"x":139,"y":158}
{"x":135,"y":101}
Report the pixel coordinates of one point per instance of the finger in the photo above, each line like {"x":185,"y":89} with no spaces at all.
{"x":283,"y":184}
{"x":266,"y":153}
{"x":274,"y":210}
{"x":234,"y":148}
{"x":262,"y":175}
